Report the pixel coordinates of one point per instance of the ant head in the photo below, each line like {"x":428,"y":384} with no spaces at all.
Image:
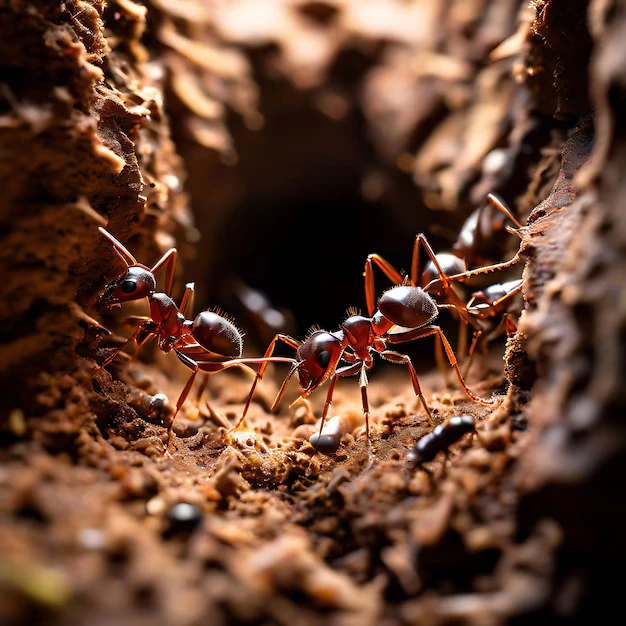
{"x":134,"y":284}
{"x":450,"y":263}
{"x":317,"y":359}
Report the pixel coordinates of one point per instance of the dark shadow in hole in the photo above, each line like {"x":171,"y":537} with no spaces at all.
{"x":308,"y":255}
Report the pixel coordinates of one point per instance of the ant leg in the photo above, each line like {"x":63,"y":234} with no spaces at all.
{"x":111,"y":357}
{"x":477,"y":335}
{"x":141,"y":320}
{"x":349,"y":370}
{"x":454,"y":364}
{"x":169,"y":260}
{"x":366,"y":410}
{"x":455,"y":302}
{"x":397,"y":357}
{"x":193,"y":365}
{"x":350,"y":357}
{"x":481,"y":270}
{"x":440,"y":361}
{"x":510,"y":326}
{"x":392,"y":274}
{"x":329,"y":400}
{"x":506,"y":326}
{"x":426,"y":331}
{"x":209,"y":367}
{"x":366,"y":404}
{"x":203,"y":387}
{"x":181,"y":400}
{"x":186,"y":301}
{"x":506,"y":323}
{"x":420,"y":239}
{"x":141,"y":341}
{"x":283,"y":387}
{"x":290,"y":341}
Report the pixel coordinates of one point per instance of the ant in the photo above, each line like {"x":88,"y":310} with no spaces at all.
{"x":477,"y":240}
{"x":209,"y":343}
{"x":439,"y":440}
{"x":487,"y":305}
{"x":474,"y":247}
{"x":326,"y":356}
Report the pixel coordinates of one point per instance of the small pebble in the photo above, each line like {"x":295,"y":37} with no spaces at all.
{"x":183,"y":518}
{"x":91,"y":538}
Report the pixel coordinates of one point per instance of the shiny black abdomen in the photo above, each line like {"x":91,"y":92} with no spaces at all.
{"x":408,"y":306}
{"x":217,"y":334}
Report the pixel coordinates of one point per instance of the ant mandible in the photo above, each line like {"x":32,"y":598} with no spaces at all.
{"x":406,"y":307}
{"x":210,"y":343}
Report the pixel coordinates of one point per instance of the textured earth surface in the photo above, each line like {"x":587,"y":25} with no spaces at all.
{"x":256,"y":136}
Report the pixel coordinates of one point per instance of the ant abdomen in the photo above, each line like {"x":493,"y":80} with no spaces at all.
{"x":216,"y":334}
{"x":407,"y":306}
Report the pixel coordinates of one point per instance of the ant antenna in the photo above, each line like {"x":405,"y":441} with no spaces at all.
{"x":496,"y":202}
{"x":514,"y":231}
{"x":119,"y":249}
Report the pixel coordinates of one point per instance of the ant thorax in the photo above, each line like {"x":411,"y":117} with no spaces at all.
{"x":358,"y":330}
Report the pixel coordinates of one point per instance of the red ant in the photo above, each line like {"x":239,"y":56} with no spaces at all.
{"x":487,"y":305}
{"x":405,"y":306}
{"x":210,"y":343}
{"x":477,"y":240}
{"x":474,"y":247}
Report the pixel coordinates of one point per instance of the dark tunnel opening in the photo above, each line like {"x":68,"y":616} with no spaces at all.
{"x":309,"y":256}
{"x":295,"y":217}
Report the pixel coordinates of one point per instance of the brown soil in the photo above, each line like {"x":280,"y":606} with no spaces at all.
{"x":280,"y":143}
